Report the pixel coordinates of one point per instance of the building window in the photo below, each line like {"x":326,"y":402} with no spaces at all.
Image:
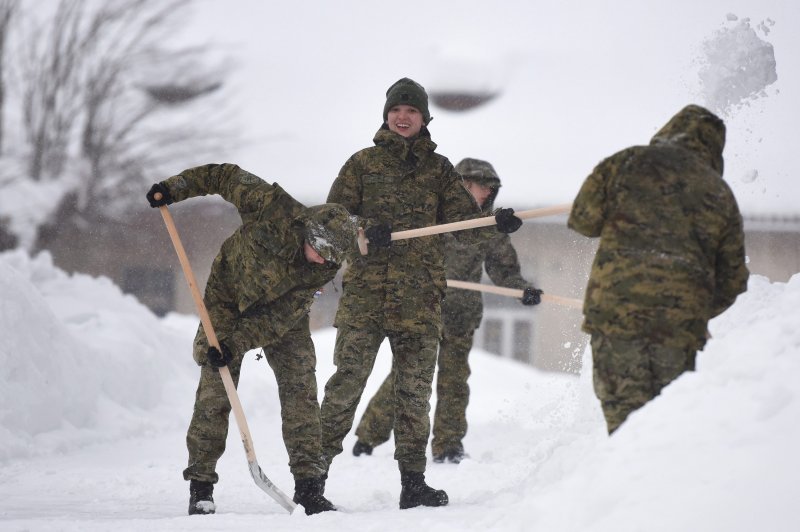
{"x":493,"y":336}
{"x":522,"y":346}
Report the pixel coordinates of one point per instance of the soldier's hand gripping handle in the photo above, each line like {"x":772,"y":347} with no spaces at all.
{"x":379,"y":236}
{"x":532,"y":296}
{"x":219,"y":357}
{"x":506,"y":221}
{"x":158,"y":196}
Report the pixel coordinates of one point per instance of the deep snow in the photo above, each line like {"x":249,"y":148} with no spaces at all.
{"x":97,"y":394}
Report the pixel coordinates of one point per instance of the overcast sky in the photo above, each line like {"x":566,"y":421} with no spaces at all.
{"x":576,"y":81}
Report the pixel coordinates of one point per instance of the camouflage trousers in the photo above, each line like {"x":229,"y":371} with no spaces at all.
{"x":629,"y":373}
{"x":293,"y":362}
{"x":452,"y":398}
{"x":413,"y":363}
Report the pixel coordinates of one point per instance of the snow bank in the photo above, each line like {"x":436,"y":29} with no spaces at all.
{"x":77,"y":355}
{"x":717,"y":450}
{"x":99,"y":389}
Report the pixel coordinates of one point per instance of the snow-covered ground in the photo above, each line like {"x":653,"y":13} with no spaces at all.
{"x":97,"y":392}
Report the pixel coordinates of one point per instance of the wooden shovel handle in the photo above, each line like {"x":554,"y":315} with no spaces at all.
{"x":512,"y":292}
{"x":261,"y":480}
{"x":479,"y":222}
{"x":224,"y":372}
{"x":465,"y":224}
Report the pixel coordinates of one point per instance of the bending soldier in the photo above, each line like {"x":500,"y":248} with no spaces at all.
{"x":259,"y":293}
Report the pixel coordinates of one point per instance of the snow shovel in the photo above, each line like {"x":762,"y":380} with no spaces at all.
{"x":513,"y":292}
{"x":258,"y":475}
{"x":464,"y":224}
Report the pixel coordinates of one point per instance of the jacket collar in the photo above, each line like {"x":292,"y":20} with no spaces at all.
{"x":418,"y":147}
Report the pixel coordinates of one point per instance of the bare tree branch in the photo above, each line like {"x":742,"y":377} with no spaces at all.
{"x":105,"y":100}
{"x":7,"y":11}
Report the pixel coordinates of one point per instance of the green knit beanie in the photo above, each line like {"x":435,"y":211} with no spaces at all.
{"x":406,"y":91}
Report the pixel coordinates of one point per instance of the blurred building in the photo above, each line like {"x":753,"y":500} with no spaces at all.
{"x":137,"y":254}
{"x":559,"y":261}
{"x":547,"y":336}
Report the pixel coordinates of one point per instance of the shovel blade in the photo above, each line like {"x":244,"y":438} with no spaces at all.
{"x":269,"y":488}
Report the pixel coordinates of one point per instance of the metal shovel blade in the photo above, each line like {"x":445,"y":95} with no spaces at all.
{"x":269,"y":488}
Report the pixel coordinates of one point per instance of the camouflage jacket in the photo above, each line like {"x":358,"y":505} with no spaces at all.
{"x":462,"y":310}
{"x":260,"y":272}
{"x":405,"y":184}
{"x":671,"y":253}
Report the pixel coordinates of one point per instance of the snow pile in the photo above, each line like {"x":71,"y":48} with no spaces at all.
{"x":717,"y":449}
{"x":80,"y":361}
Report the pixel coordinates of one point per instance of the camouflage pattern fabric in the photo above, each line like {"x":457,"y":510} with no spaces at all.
{"x":629,"y":373}
{"x":293,"y":361}
{"x":481,"y":172}
{"x":452,"y":391}
{"x":332,"y":231}
{"x":414,"y":358}
{"x":261,"y":268}
{"x":258,"y":294}
{"x":377,"y":420}
{"x":208,"y":429}
{"x":462,"y":312}
{"x":405,"y":184}
{"x":394,"y":292}
{"x":671,"y":253}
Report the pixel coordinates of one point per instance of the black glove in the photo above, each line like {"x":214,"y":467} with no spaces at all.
{"x":217,"y":358}
{"x":165,"y":199}
{"x":506,"y":221}
{"x":379,"y":235}
{"x":532,"y":296}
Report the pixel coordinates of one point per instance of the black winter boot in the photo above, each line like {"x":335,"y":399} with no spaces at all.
{"x":362,"y":448}
{"x":416,"y":492}
{"x":308,"y":493}
{"x":201,"y":501}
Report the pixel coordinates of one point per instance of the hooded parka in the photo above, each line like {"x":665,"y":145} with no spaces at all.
{"x":671,"y":253}
{"x":406,"y":184}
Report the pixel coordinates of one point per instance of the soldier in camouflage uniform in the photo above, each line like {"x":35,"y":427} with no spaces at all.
{"x":396,"y":290}
{"x":462,"y":311}
{"x":259,"y":294}
{"x":671,"y":257}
